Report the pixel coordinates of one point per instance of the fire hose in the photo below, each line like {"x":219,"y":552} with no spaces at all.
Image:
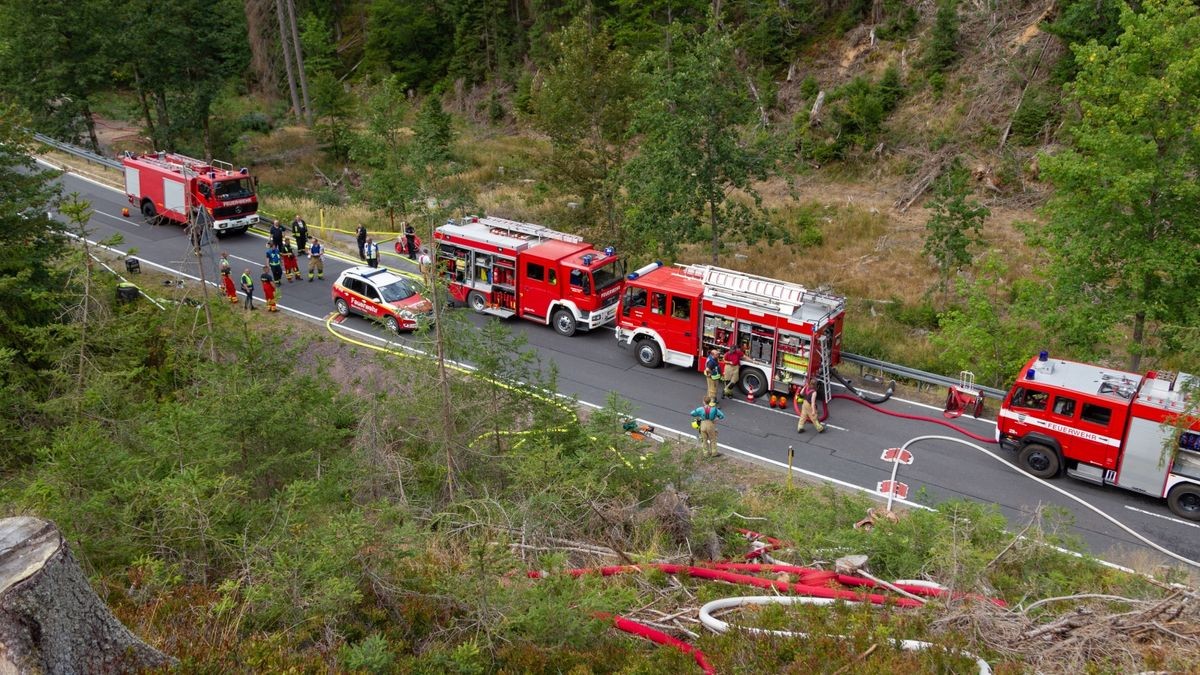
{"x":718,"y":626}
{"x":919,"y":418}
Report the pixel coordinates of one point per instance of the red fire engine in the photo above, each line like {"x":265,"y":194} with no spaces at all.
{"x":1106,"y":427}
{"x":504,"y":268}
{"x":167,"y":186}
{"x":677,"y":314}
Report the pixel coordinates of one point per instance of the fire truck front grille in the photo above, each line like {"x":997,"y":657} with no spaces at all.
{"x":609,"y":302}
{"x":233,"y":211}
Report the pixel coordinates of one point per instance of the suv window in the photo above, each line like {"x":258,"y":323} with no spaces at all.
{"x":535,"y":272}
{"x":352,"y":284}
{"x":370,"y":292}
{"x":401,"y":289}
{"x":1064,"y":406}
{"x":1096,"y":414}
{"x":1031,"y":399}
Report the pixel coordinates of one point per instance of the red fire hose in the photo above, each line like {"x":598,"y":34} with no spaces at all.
{"x":659,"y":637}
{"x":920,"y":418}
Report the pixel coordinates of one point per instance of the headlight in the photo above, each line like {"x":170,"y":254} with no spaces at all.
{"x":405,"y":314}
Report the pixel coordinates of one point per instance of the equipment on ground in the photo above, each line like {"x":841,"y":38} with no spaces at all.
{"x":504,"y":268}
{"x":167,"y":186}
{"x":1107,"y":427}
{"x":677,"y":315}
{"x":963,"y":397}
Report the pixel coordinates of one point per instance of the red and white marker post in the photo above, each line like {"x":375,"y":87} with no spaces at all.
{"x":891,"y":487}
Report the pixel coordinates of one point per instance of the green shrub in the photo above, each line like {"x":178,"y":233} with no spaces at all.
{"x":254,"y":121}
{"x":941,"y":51}
{"x":1030,"y":120}
{"x":370,"y":654}
{"x":899,"y":20}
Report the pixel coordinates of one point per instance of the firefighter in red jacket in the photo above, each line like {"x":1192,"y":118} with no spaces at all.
{"x":227,"y":278}
{"x":268,"y":286}
{"x":291,"y":267}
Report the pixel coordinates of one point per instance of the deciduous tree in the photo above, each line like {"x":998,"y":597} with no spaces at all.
{"x":1123,"y":226}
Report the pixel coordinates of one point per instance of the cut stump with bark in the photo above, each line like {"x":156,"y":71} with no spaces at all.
{"x":51,"y":621}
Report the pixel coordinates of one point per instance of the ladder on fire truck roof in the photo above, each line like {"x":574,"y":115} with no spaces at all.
{"x":769,"y":294}
{"x":530,"y":230}
{"x":826,"y":353}
{"x":190,"y":166}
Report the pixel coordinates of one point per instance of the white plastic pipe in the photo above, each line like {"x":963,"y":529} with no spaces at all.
{"x":718,"y":626}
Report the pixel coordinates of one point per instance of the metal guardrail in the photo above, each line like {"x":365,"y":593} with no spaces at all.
{"x":77,"y":152}
{"x":918,"y":375}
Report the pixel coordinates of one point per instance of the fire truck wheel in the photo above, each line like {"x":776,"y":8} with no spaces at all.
{"x":477,"y":302}
{"x":391,"y":323}
{"x":648,"y":353}
{"x":1184,"y":500}
{"x":149,"y":213}
{"x":564,"y":323}
{"x":342,"y":307}
{"x":753,"y":382}
{"x":1039,"y":460}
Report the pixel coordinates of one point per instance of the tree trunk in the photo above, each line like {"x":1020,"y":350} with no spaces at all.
{"x":141,"y":93}
{"x":164,"y":121}
{"x":51,"y":621}
{"x":1139,"y":335}
{"x":91,"y":127}
{"x":260,"y":56}
{"x":287,"y":57}
{"x":716,"y":232}
{"x":308,"y":116}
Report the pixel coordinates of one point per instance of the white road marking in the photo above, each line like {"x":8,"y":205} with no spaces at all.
{"x":1159,"y":515}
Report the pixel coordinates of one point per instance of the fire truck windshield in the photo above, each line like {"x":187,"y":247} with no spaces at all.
{"x":397,"y":291}
{"x":608,"y":274}
{"x":234,"y":189}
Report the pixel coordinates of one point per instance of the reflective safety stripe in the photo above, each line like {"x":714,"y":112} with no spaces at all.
{"x":1026,"y":418}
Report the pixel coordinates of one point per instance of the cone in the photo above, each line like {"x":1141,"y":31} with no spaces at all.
{"x":772,"y":402}
{"x":125,"y":212}
{"x":750,"y":396}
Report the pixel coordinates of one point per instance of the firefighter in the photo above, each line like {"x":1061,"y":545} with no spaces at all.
{"x":248,"y":289}
{"x":733,"y":367}
{"x":277,"y":234}
{"x":712,"y":373}
{"x":708,"y":414}
{"x":291,"y":268}
{"x":372,"y":251}
{"x":315,"y":263}
{"x":410,"y":241}
{"x":268,"y":287}
{"x":360,"y":236}
{"x":426,"y":264}
{"x":227,"y":278}
{"x":300,"y":232}
{"x":275,"y":261}
{"x":808,"y":409}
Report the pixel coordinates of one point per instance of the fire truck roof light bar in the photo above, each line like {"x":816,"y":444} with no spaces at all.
{"x":529,"y":229}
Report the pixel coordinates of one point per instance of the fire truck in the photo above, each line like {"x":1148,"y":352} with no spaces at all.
{"x":504,"y":268}
{"x":167,"y":186}
{"x":1106,"y":427}
{"x":676,"y":315}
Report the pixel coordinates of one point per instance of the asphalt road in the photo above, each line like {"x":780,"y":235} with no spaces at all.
{"x":591,"y":366}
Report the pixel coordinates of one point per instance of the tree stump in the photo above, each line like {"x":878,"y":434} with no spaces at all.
{"x":51,"y":621}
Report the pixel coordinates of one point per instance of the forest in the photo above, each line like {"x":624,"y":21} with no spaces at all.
{"x":981,"y":180}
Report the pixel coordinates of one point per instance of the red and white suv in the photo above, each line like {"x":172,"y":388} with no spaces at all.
{"x":382,"y":295}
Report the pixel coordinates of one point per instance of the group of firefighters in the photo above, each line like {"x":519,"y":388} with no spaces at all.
{"x":727,"y":368}
{"x":281,"y":261}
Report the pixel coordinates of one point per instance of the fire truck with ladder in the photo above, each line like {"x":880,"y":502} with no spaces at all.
{"x":167,"y":186}
{"x":504,"y":268}
{"x":676,"y":315}
{"x":1106,"y":427}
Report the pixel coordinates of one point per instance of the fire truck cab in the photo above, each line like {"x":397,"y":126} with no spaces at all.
{"x":167,"y":186}
{"x":677,"y":314}
{"x":1107,"y":427}
{"x":504,"y":268}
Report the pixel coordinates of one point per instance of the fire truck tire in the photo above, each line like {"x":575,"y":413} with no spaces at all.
{"x":1039,"y":460}
{"x":753,"y":382}
{"x":342,"y":307}
{"x":563,"y":322}
{"x":648,"y":353}
{"x":477,"y":302}
{"x":391,"y":323}
{"x":149,"y":213}
{"x":1184,"y":500}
